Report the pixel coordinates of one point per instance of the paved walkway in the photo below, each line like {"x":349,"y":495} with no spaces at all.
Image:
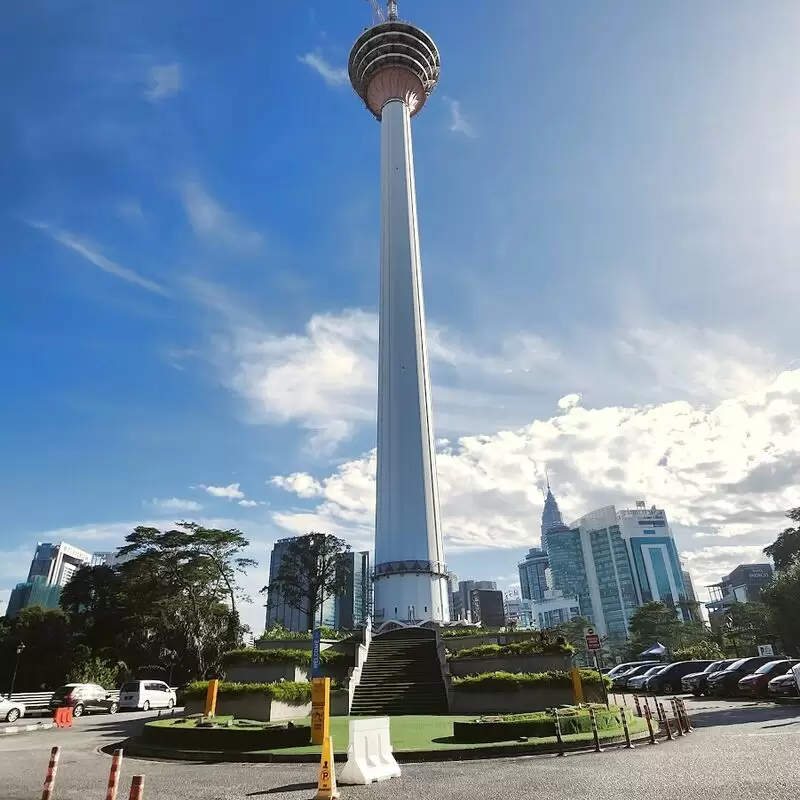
{"x":739,"y":750}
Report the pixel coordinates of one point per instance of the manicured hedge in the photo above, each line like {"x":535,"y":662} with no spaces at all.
{"x":510,"y":681}
{"x":527,"y":647}
{"x":281,"y":655}
{"x":159,"y":734}
{"x":537,"y":725}
{"x":291,"y":692}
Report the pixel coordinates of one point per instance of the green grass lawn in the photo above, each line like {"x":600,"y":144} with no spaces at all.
{"x":410,"y":733}
{"x":436,"y":733}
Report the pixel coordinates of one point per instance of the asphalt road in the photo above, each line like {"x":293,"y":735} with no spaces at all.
{"x":738,"y":750}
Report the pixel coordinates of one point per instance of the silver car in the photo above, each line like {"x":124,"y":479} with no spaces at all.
{"x":11,"y":710}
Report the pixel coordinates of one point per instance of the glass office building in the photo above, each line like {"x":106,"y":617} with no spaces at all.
{"x":533,"y":574}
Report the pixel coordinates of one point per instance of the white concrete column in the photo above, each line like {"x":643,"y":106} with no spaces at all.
{"x":407,"y":525}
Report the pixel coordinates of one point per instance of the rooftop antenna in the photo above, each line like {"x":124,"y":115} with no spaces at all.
{"x":391,"y":7}
{"x":378,"y":11}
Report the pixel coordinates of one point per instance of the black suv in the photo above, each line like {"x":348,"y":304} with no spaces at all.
{"x":697,"y":682}
{"x":725,"y":683}
{"x":668,"y":681}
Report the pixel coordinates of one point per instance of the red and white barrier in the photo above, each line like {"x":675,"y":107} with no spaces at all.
{"x":50,"y":778}
{"x":137,"y":788}
{"x":113,"y":776}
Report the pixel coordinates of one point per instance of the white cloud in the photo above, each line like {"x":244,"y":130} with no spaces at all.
{"x":324,"y":378}
{"x":248,"y":503}
{"x":333,"y":76}
{"x":175,"y":504}
{"x":458,"y":122}
{"x":231,"y":491}
{"x":211,"y":221}
{"x":92,"y":254}
{"x":165,"y":81}
{"x":569,"y":401}
{"x":714,"y":468}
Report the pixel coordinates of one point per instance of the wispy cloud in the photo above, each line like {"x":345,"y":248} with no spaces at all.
{"x":165,"y":81}
{"x":175,"y":504}
{"x":92,"y":254}
{"x":248,"y":503}
{"x":458,"y":122}
{"x":333,"y":76}
{"x":231,"y":491}
{"x":211,"y":221}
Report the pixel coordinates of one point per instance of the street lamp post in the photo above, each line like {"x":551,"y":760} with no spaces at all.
{"x":20,"y":648}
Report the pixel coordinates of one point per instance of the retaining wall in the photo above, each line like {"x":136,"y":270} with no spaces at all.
{"x":517,"y":664}
{"x":517,"y":702}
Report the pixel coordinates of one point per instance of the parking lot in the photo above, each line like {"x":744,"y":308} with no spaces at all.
{"x":740,"y":749}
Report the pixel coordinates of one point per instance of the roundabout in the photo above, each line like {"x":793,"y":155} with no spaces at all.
{"x":414,"y":738}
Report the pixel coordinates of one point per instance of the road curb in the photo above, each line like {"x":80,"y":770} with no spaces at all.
{"x":11,"y":730}
{"x":135,"y":749}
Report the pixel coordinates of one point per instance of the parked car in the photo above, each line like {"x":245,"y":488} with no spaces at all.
{"x":755,"y":684}
{"x":614,"y":671}
{"x":11,"y":710}
{"x":620,"y":680}
{"x":637,"y":682}
{"x":145,"y":695}
{"x":83,"y":697}
{"x":725,"y":683}
{"x":783,"y":686}
{"x":668,"y":681}
{"x":697,"y":682}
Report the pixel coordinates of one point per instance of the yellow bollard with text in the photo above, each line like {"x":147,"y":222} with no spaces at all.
{"x":320,"y":709}
{"x":577,"y":685}
{"x":326,"y":784}
{"x":211,"y":698}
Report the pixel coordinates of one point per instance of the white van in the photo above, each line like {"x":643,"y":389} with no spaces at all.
{"x":145,"y":695}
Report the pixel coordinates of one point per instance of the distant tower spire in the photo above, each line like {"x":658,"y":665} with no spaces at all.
{"x":392,"y":9}
{"x":551,"y":514}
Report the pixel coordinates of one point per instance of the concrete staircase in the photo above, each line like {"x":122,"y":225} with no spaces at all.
{"x":402,"y":675}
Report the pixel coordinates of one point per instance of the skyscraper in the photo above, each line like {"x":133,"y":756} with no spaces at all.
{"x":352,"y":608}
{"x":465,"y":589}
{"x":288,"y":616}
{"x":551,"y":515}
{"x":52,"y":568}
{"x":533,"y":574}
{"x":394,"y":67}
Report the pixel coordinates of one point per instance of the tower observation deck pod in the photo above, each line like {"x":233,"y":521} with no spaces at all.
{"x":394,"y":60}
{"x":394,"y":67}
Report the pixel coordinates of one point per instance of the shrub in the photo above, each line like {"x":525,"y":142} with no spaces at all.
{"x":526,"y":647}
{"x":291,"y":692}
{"x":511,"y":681}
{"x":279,"y":633}
{"x":537,"y":725}
{"x":281,"y":655}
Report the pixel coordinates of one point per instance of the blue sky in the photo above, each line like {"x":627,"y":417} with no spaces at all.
{"x":189,"y":229}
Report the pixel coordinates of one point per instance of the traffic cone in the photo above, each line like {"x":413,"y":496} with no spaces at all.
{"x":326,"y":784}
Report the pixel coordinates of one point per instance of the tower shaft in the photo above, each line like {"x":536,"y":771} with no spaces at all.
{"x":410,"y":580}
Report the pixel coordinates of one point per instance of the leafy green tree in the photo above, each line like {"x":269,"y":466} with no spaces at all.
{"x":88,"y":668}
{"x":653,"y":622}
{"x":574,"y":632}
{"x":782,"y":597}
{"x":47,"y":656}
{"x":749,"y":625}
{"x":785,"y":550}
{"x":312,"y":570}
{"x":700,"y":651}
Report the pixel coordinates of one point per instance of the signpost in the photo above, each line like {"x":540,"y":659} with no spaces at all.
{"x":315,"y":651}
{"x":320,"y":709}
{"x":766,"y":650}
{"x":594,"y":645}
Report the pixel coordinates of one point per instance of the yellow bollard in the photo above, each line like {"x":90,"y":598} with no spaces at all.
{"x":326,"y":783}
{"x":320,"y":709}
{"x":577,"y":686}
{"x":211,"y":698}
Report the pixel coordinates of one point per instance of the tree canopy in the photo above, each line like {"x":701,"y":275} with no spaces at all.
{"x":169,"y":609}
{"x":313,"y":569}
{"x":785,"y":550}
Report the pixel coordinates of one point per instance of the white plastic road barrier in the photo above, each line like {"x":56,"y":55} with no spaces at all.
{"x":369,"y":754}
